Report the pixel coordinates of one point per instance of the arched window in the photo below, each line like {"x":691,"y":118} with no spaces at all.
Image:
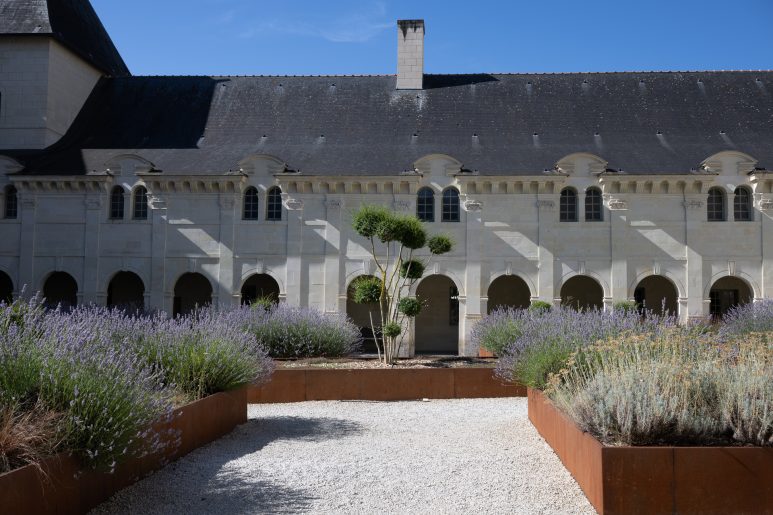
{"x":116,"y":203}
{"x":140,"y":211}
{"x":274,"y":204}
{"x":250,"y":211}
{"x":568,"y":206}
{"x":742,"y":205}
{"x":425,"y":205}
{"x":11,"y":203}
{"x":594,"y":211}
{"x":451,"y":205}
{"x":715,"y":206}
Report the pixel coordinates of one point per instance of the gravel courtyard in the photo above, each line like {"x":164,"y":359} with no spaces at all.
{"x":441,"y":456}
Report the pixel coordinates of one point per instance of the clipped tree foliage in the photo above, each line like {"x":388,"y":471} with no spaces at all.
{"x":412,"y":232}
{"x":367,"y":290}
{"x":440,"y":244}
{"x":409,"y":306}
{"x":392,"y":330}
{"x":369,"y":219}
{"x":412,"y":269}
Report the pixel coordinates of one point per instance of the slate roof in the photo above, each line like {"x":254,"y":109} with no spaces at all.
{"x":72,"y":22}
{"x":521,"y":124}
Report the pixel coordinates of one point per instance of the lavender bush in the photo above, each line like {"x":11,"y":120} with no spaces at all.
{"x":291,"y":332}
{"x":541,"y":341}
{"x":108,"y":376}
{"x":750,"y":318}
{"x":678,"y":387}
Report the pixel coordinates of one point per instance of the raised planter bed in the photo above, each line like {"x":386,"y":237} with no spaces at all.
{"x":385,"y":384}
{"x":631,"y":480}
{"x":65,"y":487}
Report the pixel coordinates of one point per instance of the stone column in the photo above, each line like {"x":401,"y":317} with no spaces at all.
{"x":227,"y":286}
{"x":161,"y":294}
{"x":546,"y":212}
{"x":27,"y":204}
{"x":694,"y":220}
{"x":94,"y":213}
{"x":334,"y":249}
{"x":470,"y":310}
{"x":618,"y":228}
{"x":294,"y":281}
{"x":765,"y":205}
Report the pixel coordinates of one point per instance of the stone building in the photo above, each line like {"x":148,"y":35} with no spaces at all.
{"x":581,"y":188}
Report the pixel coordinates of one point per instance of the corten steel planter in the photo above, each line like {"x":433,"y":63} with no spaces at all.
{"x":630,"y":480}
{"x":66,"y":488}
{"x":385,"y":384}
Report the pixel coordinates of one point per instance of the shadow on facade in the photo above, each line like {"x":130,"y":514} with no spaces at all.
{"x":191,"y":291}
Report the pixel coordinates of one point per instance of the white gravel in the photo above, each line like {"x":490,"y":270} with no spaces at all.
{"x":441,"y":456}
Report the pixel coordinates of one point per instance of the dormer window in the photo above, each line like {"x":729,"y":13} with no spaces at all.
{"x":11,"y":203}
{"x":117,"y":203}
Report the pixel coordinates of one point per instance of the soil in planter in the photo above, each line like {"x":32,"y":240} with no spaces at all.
{"x":351,"y":362}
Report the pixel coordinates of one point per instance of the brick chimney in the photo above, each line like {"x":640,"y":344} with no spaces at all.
{"x":410,"y":54}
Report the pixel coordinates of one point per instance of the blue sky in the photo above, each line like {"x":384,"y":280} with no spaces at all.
{"x":254,"y":37}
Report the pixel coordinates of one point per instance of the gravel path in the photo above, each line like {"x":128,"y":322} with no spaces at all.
{"x":442,"y":456}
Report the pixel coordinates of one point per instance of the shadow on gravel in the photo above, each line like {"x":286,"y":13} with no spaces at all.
{"x":202,"y":482}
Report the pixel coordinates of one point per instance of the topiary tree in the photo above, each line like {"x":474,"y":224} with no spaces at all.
{"x":398,"y":237}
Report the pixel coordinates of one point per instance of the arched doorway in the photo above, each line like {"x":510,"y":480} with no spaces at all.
{"x":126,"y":291}
{"x":6,"y":288}
{"x":60,"y":289}
{"x":657,"y":294}
{"x":727,"y":293}
{"x":508,"y":291}
{"x":360,"y":315}
{"x":260,"y":286}
{"x":191,"y":291}
{"x":437,"y":326}
{"x":582,"y":293}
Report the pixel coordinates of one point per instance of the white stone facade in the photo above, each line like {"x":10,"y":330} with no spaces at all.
{"x":652,"y":240}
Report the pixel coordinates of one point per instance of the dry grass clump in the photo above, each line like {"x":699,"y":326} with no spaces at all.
{"x":678,"y":387}
{"x":27,"y":436}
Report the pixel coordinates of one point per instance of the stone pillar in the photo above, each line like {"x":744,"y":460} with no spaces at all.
{"x":161,"y":293}
{"x":93,"y":218}
{"x":472,"y":303}
{"x":765,"y":205}
{"x":294,"y":280}
{"x":227,"y":286}
{"x":334,"y":251}
{"x":27,"y":204}
{"x":546,"y":212}
{"x":618,"y":228}
{"x":694,"y":220}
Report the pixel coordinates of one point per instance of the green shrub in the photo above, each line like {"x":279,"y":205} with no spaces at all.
{"x":392,"y":330}
{"x":540,"y":305}
{"x":409,"y":306}
{"x":366,"y":290}
{"x":412,"y":269}
{"x":627,"y":306}
{"x":440,"y":244}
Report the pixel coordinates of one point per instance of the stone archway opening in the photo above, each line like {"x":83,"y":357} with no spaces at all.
{"x":437,"y":326}
{"x":126,"y":291}
{"x":191,"y":291}
{"x":360,"y":315}
{"x":60,"y":289}
{"x":508,"y":291}
{"x":727,"y":293}
{"x":582,"y":293}
{"x":260,"y":286}
{"x":657,"y":294}
{"x":6,"y":288}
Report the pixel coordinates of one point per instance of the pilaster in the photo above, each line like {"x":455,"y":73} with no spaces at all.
{"x":93,"y":218}
{"x":226,"y":276}
{"x":160,"y":297}
{"x":294,"y":280}
{"x":694,"y":220}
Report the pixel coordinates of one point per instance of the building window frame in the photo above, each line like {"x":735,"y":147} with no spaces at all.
{"x":251,"y":204}
{"x":568,"y":205}
{"x":716,"y":210}
{"x":594,"y":205}
{"x":742,"y":204}
{"x":140,"y":203}
{"x":117,"y":201}
{"x":11,"y":207}
{"x":451,"y":205}
{"x":274,"y":204}
{"x":425,"y":204}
